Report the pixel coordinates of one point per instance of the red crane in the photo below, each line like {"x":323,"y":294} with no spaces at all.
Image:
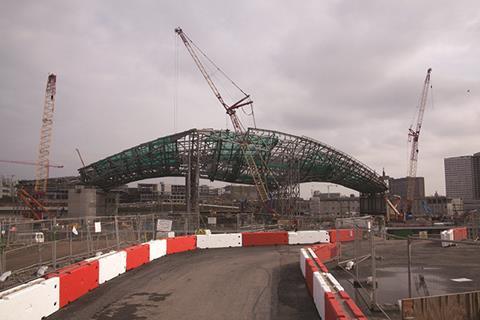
{"x":413,"y":137}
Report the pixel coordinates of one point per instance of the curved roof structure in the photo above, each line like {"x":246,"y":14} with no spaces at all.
{"x":220,"y":158}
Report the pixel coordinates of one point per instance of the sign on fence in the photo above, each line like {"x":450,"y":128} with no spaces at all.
{"x":212,"y":220}
{"x":164,"y":225}
{"x":98,"y":227}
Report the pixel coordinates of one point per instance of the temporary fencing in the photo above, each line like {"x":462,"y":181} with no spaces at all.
{"x":69,"y":283}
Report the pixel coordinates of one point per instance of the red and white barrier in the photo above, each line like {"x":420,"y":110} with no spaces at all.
{"x":224,"y":240}
{"x":158,"y":249}
{"x":447,"y":235}
{"x":42,"y":297}
{"x":320,"y":287}
{"x":76,"y":280}
{"x":308,"y":237}
{"x":110,"y":265}
{"x":251,"y":239}
{"x":31,"y":301}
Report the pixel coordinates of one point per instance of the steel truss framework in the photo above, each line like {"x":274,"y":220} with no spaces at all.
{"x":216,"y":155}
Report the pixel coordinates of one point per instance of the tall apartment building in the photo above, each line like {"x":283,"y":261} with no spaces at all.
{"x":462,"y":177}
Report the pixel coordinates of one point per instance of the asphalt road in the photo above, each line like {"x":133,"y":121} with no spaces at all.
{"x":237,"y":283}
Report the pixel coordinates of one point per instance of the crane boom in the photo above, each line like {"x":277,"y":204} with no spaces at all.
{"x":258,"y":178}
{"x":42,"y":170}
{"x":30,"y":163}
{"x":413,"y":137}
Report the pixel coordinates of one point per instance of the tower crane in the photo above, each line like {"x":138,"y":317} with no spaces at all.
{"x":259,"y":178}
{"x":413,"y":137}
{"x":36,"y":202}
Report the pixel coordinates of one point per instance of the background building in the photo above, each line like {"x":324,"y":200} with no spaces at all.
{"x":334,"y":204}
{"x":462,"y":180}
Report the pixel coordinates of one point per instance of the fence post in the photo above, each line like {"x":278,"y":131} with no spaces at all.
{"x":409,"y":252}
{"x":117,"y":236}
{"x":54,"y":247}
{"x":154,"y":230}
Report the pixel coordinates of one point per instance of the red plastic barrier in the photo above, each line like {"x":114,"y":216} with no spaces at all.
{"x":325,"y":251}
{"x":352,"y":305}
{"x":333,"y":310}
{"x":460,"y":233}
{"x":181,"y":244}
{"x":321,"y":266}
{"x":250,"y":239}
{"x":341,"y":235}
{"x":310,"y":268}
{"x":76,"y":280}
{"x":137,"y":255}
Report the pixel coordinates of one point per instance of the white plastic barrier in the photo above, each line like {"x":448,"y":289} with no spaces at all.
{"x":158,"y":248}
{"x":320,"y":286}
{"x":303,"y":257}
{"x":308,"y":237}
{"x":334,"y":282}
{"x":34,"y":300}
{"x":224,"y":240}
{"x":312,"y":253}
{"x":447,"y":235}
{"x":110,"y":265}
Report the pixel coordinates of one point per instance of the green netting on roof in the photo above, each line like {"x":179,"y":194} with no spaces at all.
{"x":221,"y":157}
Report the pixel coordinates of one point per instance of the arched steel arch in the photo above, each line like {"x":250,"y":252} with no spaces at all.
{"x":220,"y":158}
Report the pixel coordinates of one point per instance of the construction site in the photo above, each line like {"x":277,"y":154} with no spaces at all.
{"x":381,"y":253}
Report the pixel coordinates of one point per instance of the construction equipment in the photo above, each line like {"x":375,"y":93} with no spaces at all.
{"x":259,"y":176}
{"x":42,"y":171}
{"x":30,"y":163}
{"x":413,"y":137}
{"x":36,"y":202}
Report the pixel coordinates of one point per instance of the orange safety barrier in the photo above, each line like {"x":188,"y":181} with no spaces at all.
{"x":310,"y":268}
{"x":325,"y":251}
{"x":137,"y":255}
{"x":76,"y":280}
{"x":342,"y":235}
{"x":181,"y":244}
{"x":251,"y":239}
{"x":333,"y":310}
{"x":352,"y":306}
{"x":321,"y":266}
{"x":460,"y":233}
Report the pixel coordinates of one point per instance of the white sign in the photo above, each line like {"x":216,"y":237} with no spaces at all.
{"x":164,"y":225}
{"x":98,"y":227}
{"x":212,"y":220}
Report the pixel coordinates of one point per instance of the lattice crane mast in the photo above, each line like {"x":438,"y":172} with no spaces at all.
{"x":258,"y":177}
{"x":413,"y":137}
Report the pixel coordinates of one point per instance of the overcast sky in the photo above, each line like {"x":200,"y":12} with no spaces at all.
{"x":347,"y":73}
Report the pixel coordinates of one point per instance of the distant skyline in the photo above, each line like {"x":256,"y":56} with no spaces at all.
{"x":346,"y":73}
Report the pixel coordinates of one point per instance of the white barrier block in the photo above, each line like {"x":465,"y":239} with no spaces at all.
{"x":303,"y":257}
{"x":312,"y":253}
{"x":334,"y":282}
{"x":158,"y":248}
{"x":224,"y":240}
{"x":447,"y":235}
{"x":110,"y":265}
{"x":308,"y":237}
{"x":320,"y":286}
{"x":34,"y":300}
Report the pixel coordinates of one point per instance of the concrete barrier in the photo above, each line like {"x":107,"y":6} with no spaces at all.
{"x":224,"y":240}
{"x":110,"y":265}
{"x":158,"y":249}
{"x":308,"y":237}
{"x":31,"y":301}
{"x":320,"y":287}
